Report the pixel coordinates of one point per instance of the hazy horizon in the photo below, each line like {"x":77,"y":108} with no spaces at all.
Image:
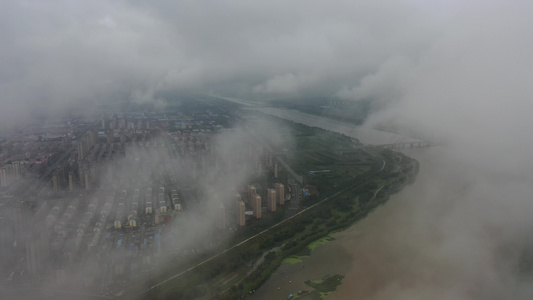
{"x":457,"y":73}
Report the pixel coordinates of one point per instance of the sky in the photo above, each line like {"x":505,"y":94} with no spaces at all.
{"x":70,"y":54}
{"x":455,"y":72}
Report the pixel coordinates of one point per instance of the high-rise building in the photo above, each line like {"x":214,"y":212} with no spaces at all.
{"x":256,"y":204}
{"x":55,"y":180}
{"x":280,"y":193}
{"x":91,"y":139}
{"x":87,"y":181}
{"x":156,"y":217}
{"x":82,"y":148}
{"x":92,"y":175}
{"x":276,"y":169}
{"x":241,"y":213}
{"x":9,"y":173}
{"x":70,"y":181}
{"x":3,"y":177}
{"x":17,"y":172}
{"x":272,"y":200}
{"x":251,"y":193}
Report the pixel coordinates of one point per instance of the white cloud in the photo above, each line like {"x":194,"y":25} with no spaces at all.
{"x":108,"y":22}
{"x":388,"y":83}
{"x":65,"y":54}
{"x":288,"y":84}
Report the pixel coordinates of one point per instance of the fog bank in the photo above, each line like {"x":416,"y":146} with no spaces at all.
{"x":462,"y":231}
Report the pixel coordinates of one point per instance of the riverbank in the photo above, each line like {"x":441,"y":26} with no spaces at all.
{"x":352,"y":252}
{"x":358,"y":181}
{"x":366,"y":135}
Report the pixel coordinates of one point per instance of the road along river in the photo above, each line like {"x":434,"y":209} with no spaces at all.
{"x":374,"y":254}
{"x":460,"y":231}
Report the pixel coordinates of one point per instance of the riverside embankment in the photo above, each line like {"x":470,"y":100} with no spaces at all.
{"x":365,"y":252}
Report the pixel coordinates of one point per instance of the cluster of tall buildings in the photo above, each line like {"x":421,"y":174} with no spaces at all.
{"x":274,"y":197}
{"x":122,"y":122}
{"x":10,"y":173}
{"x":119,"y":213}
{"x":86,"y":143}
{"x":259,"y":158}
{"x":97,"y":147}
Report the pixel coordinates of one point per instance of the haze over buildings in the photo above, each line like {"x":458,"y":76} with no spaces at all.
{"x":457,"y":73}
{"x":121,"y":201}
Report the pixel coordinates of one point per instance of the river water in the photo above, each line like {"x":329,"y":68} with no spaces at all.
{"x":372,"y":254}
{"x":460,"y":231}
{"x":368,"y":252}
{"x":365,"y":135}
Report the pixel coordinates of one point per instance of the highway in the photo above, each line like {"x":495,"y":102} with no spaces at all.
{"x":294,"y":206}
{"x":178,"y":275}
{"x":239,"y":244}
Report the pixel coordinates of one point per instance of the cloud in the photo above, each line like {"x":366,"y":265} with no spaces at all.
{"x":288,"y":84}
{"x":461,"y":78}
{"x":471,"y":87}
{"x":465,"y":224}
{"x":108,"y":22}
{"x":389,"y":83}
{"x":146,"y":97}
{"x":61,"y":55}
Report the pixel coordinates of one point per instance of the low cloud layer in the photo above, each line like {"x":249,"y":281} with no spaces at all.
{"x":63,"y":55}
{"x":457,"y":74}
{"x":471,"y":89}
{"x":463,"y":231}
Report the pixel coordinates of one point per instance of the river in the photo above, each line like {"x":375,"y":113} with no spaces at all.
{"x":460,"y":231}
{"x":371,"y":254}
{"x":365,"y":252}
{"x":365,"y":135}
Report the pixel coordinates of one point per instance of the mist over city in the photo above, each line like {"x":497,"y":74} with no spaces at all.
{"x":266,"y":150}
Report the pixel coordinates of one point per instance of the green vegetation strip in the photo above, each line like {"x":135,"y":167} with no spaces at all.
{"x":319,"y":242}
{"x":326,"y":285}
{"x":341,"y":203}
{"x":292,"y":260}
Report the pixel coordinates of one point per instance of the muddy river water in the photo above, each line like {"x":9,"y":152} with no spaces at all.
{"x":370,"y":254}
